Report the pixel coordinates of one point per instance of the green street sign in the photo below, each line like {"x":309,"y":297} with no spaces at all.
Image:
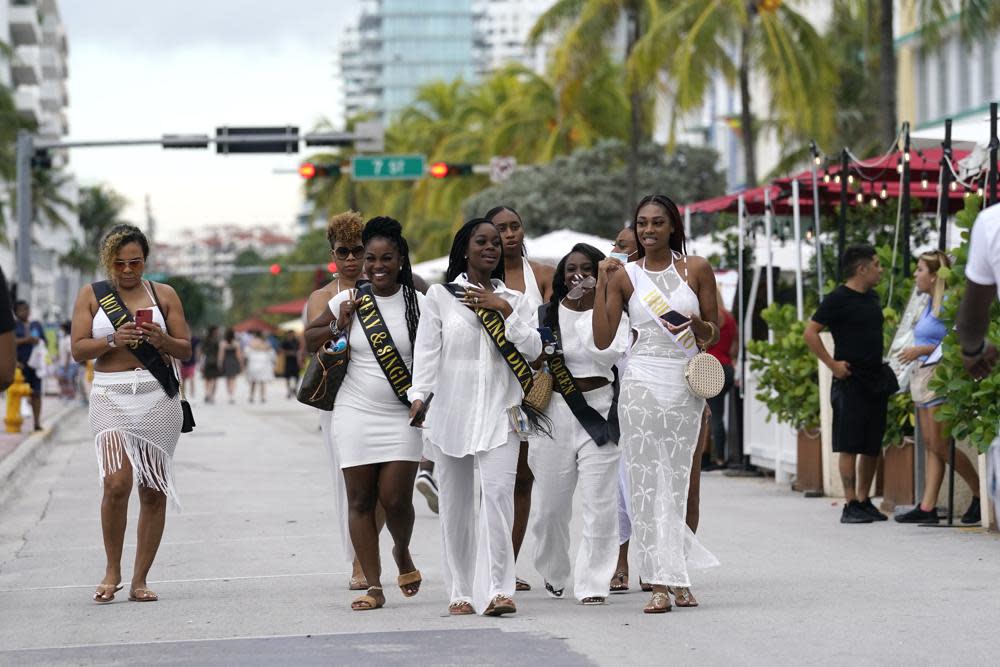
{"x":387,"y":167}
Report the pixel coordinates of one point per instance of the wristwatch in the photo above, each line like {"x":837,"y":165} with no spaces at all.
{"x":111,"y":340}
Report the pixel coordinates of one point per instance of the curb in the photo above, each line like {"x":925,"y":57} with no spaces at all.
{"x":30,"y":451}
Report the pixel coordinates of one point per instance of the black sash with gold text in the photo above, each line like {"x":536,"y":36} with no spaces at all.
{"x":601,"y":430}
{"x":118,"y":313}
{"x":385,"y":350}
{"x":495,"y":327}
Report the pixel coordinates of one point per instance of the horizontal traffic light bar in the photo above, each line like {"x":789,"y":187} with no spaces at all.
{"x":367,"y":168}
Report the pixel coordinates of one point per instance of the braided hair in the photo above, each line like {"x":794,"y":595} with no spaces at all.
{"x":559,"y":287}
{"x":497,"y":210}
{"x":118,"y":236}
{"x":392,"y":231}
{"x":458,"y":261}
{"x":677,"y":241}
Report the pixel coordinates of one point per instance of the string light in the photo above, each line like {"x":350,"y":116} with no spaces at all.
{"x":954,"y":186}
{"x":859,"y":197}
{"x":826,"y":178}
{"x":906,"y":156}
{"x":899,"y":168}
{"x":884,"y":192}
{"x":979,"y":192}
{"x":817,"y":160}
{"x":874,"y":202}
{"x":836,"y":179}
{"x":923,"y":180}
{"x":850,"y":179}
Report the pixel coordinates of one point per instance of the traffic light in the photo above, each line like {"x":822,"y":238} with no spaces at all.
{"x":311,"y":170}
{"x":42,"y":159}
{"x":446,"y":169}
{"x":275,"y":269}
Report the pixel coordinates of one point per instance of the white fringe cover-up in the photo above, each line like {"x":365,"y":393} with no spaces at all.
{"x":131,"y":414}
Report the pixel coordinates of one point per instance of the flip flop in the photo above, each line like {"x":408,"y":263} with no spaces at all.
{"x":409,"y":581}
{"x":105,"y":593}
{"x":521,"y":584}
{"x":658,"y":604}
{"x":142,"y":595}
{"x":683,"y":596}
{"x":619,"y":582}
{"x":370,"y":602}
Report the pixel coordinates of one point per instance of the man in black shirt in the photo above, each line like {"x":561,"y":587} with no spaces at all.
{"x":7,"y":346}
{"x":861,"y":388}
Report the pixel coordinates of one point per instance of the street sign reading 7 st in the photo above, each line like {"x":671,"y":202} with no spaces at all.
{"x":387,"y":167}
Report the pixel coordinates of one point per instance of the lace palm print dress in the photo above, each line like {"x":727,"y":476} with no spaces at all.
{"x":660,"y":424}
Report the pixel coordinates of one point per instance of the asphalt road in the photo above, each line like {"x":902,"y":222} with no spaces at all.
{"x":250,"y":574}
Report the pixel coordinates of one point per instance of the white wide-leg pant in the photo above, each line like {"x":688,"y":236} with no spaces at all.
{"x":569,"y":461}
{"x":624,"y":518}
{"x":339,"y":486}
{"x":478,"y":567}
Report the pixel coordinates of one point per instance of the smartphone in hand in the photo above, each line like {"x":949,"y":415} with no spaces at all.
{"x":548,"y":340}
{"x":418,"y":419}
{"x":143,"y":316}
{"x":675,"y":318}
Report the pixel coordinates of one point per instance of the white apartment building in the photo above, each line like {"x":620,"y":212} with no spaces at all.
{"x":502,"y":28}
{"x":36,"y":76}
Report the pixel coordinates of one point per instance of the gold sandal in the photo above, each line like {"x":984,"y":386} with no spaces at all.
{"x":658,"y":604}
{"x":369,"y":601}
{"x":619,"y":582}
{"x":409,"y":583}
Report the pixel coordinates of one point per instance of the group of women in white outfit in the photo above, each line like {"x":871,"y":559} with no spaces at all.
{"x":467,"y":350}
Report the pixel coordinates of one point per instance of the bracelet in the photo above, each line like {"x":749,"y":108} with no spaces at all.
{"x":972,"y":355}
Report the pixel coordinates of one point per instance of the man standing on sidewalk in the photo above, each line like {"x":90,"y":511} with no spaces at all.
{"x":861,"y":386}
{"x":7,"y":347}
{"x":29,"y":334}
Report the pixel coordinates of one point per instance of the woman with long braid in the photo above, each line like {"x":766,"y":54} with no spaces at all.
{"x":534,"y":281}
{"x":344,"y":235}
{"x":477,"y":414}
{"x":378,"y":450}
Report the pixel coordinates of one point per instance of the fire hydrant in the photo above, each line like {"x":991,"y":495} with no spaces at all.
{"x":15,"y":392}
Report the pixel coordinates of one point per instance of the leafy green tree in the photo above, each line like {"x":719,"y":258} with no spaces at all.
{"x":582,"y":191}
{"x":100,"y":209}
{"x":193,"y":297}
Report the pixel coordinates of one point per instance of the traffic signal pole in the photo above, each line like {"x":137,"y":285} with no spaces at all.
{"x":25,"y":149}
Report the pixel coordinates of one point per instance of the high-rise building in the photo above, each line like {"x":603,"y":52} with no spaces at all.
{"x":397,"y":46}
{"x":35,"y":75}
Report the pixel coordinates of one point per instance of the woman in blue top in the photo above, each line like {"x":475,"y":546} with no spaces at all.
{"x":927,"y":336}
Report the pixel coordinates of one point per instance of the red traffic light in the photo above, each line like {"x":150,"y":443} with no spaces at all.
{"x":307,"y":170}
{"x":275,"y":269}
{"x":439,"y":169}
{"x":331,"y":267}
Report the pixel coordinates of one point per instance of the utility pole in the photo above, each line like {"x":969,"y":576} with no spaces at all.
{"x":25,"y":149}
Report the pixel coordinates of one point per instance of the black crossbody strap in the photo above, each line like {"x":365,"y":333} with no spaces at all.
{"x":118,"y":313}
{"x":383,"y":347}
{"x":601,"y":430}
{"x":493,"y":323}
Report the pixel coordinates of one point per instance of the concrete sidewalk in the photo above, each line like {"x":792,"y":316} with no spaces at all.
{"x":254,"y":557}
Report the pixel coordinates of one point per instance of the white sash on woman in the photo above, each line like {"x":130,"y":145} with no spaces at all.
{"x":655,"y":303}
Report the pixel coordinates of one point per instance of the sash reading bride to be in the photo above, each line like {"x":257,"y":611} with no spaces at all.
{"x":704,"y":374}
{"x":383,"y":347}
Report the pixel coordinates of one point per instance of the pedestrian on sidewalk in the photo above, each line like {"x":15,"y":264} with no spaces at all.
{"x":862,"y":383}
{"x":67,"y":368}
{"x":982,"y":287}
{"x":259,"y":357}
{"x":468,"y":424}
{"x":28,"y":336}
{"x":210,"y":369}
{"x":584,"y":449}
{"x":661,"y":419}
{"x":8,"y":346}
{"x":378,"y":449}
{"x":291,"y":352}
{"x":725,"y":350}
{"x":927,"y":336}
{"x":343,"y":232}
{"x":534,"y":281}
{"x":135,"y":410}
{"x":189,"y":368}
{"x":230,"y":361}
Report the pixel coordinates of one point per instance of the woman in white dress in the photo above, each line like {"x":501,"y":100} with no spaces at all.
{"x":468,"y":425}
{"x":378,"y":450}
{"x":534,"y":281}
{"x":584,"y":447}
{"x":344,"y":235}
{"x":660,"y":418}
{"x":260,"y":358}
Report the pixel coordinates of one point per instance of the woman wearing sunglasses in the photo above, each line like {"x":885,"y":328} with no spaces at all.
{"x":344,"y":234}
{"x":135,"y":409}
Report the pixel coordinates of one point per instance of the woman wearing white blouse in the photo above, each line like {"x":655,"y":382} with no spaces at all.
{"x":585,"y":454}
{"x":467,"y":424}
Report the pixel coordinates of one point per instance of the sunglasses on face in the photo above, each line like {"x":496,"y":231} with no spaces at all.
{"x":343,"y":251}
{"x":134,"y":264}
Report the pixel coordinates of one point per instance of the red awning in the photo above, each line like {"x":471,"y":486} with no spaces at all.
{"x":254,"y":324}
{"x":287,"y":308}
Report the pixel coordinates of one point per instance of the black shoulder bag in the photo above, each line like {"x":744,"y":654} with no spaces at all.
{"x":187,"y":425}
{"x":601,"y":430}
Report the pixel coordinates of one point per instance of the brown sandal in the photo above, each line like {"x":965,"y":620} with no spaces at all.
{"x":500,"y":605}
{"x":646,"y":588}
{"x":409,"y":583}
{"x":591,"y":601}
{"x":461,"y":608}
{"x":521,"y":585}
{"x":619,"y":582}
{"x":658,"y":604}
{"x":368,"y":602}
{"x":142,"y":595}
{"x":683,"y":596}
{"x":105,"y":593}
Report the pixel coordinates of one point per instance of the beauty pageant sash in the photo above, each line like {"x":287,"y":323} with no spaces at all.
{"x":383,"y":347}
{"x":655,"y":303}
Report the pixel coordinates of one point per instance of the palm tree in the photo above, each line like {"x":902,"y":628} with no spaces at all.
{"x":588,"y":26}
{"x":692,"y":40}
{"x":100,"y":209}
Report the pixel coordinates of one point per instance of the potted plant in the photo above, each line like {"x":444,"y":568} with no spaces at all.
{"x":788,"y":384}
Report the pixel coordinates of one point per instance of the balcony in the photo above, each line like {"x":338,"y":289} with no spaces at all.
{"x":54,"y":95}
{"x":52,"y":126}
{"x":53,"y":63}
{"x":54,"y":34}
{"x":25,"y":68}
{"x":24,"y":25}
{"x":28,"y":102}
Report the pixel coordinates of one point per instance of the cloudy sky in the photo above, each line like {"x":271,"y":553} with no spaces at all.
{"x":140,"y":69}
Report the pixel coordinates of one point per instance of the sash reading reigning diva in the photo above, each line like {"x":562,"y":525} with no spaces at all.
{"x":383,"y":347}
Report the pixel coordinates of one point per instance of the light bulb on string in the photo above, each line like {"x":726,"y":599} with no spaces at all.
{"x":899,"y":168}
{"x":817,"y":160}
{"x":906,"y":156}
{"x":884,"y":192}
{"x":859,"y":197}
{"x":850,"y":179}
{"x":953,"y":185}
{"x":923,"y":180}
{"x":836,"y":179}
{"x":980,"y":192}
{"x":826,"y":178}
